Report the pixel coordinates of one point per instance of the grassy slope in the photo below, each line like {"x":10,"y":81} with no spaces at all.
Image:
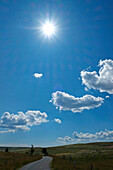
{"x":100,"y":155}
{"x":81,"y":148}
{"x":12,"y":161}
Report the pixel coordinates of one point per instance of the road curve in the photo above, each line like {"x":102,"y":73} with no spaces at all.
{"x":42,"y":164}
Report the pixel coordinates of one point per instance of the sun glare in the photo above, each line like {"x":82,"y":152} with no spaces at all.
{"x":48,"y":29}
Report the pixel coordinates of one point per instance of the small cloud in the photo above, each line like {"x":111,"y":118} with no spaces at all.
{"x":37,"y":75}
{"x":57,"y":120}
{"x":86,"y":89}
{"x":65,"y":101}
{"x":88,"y":68}
{"x":107,"y":97}
{"x":66,"y":139}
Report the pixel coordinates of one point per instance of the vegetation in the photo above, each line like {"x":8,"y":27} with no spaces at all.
{"x":32,"y":150}
{"x":85,"y":162}
{"x":95,"y":156}
{"x":59,"y":163}
{"x":44,"y":151}
{"x":6,"y":150}
{"x":12,"y":161}
{"x":98,"y":156}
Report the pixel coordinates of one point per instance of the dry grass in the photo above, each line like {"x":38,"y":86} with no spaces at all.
{"x":12,"y":161}
{"x":59,"y":163}
{"x":100,"y":155}
{"x":97,"y":155}
{"x":83,"y":163}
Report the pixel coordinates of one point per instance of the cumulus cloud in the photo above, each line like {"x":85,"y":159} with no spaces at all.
{"x":87,"y":137}
{"x":21,"y":121}
{"x":65,"y":102}
{"x":102,"y":81}
{"x":37,"y":75}
{"x":66,"y":139}
{"x":97,"y":136}
{"x":57,"y":120}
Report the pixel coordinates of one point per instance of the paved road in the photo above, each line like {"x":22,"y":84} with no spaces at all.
{"x":42,"y":164}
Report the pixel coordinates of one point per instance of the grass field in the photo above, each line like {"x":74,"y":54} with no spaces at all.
{"x":12,"y":161}
{"x":95,"y":156}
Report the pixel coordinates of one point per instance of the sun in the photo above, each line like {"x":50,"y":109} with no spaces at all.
{"x":48,"y":29}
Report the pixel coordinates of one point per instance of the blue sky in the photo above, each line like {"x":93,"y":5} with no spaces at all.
{"x":67,"y":61}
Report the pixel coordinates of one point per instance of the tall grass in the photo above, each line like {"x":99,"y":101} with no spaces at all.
{"x":59,"y":163}
{"x":96,"y":156}
{"x":12,"y":161}
{"x":100,"y":162}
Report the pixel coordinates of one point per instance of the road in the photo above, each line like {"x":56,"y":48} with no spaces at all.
{"x":42,"y":164}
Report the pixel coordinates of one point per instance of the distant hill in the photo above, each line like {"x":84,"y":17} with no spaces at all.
{"x":67,"y":149}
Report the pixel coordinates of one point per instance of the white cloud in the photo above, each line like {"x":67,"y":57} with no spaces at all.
{"x":64,"y":101}
{"x":7,"y":131}
{"x":21,"y":121}
{"x":102,"y":81}
{"x":37,"y":75}
{"x":107,"y":97}
{"x":102,"y":135}
{"x":87,"y":137}
{"x":86,"y":89}
{"x":57,"y":120}
{"x":66,"y":139}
